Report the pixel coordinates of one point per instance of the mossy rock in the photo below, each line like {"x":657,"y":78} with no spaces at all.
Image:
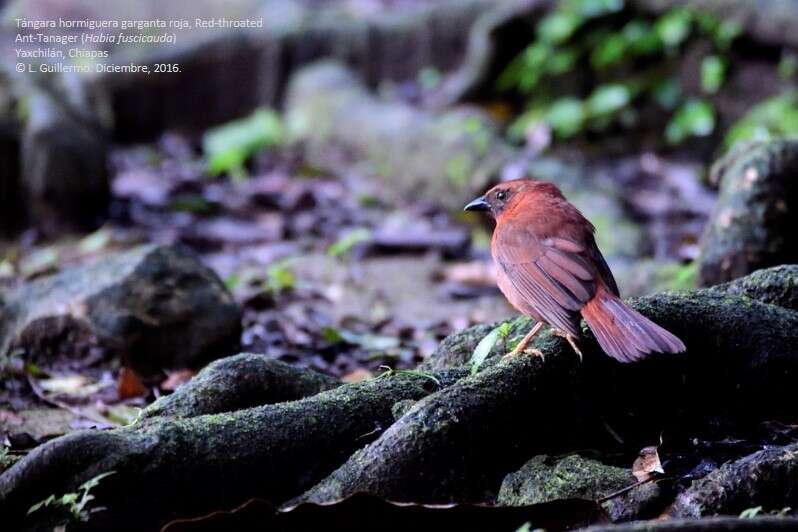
{"x":544,"y":479}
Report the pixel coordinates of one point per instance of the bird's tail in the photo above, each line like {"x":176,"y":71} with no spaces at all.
{"x":623,"y":333}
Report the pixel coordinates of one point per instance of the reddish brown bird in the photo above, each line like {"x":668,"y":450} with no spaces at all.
{"x":550,"y":268}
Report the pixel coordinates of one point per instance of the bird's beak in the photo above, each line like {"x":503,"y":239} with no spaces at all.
{"x":479,"y":204}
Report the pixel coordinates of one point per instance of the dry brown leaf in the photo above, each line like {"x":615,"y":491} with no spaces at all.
{"x":647,"y":464}
{"x":9,"y":418}
{"x":474,"y":273}
{"x":129,"y":385}
{"x":176,"y":379}
{"x":358,"y":375}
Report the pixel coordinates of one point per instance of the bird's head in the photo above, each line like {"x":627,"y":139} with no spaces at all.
{"x":504,"y":196}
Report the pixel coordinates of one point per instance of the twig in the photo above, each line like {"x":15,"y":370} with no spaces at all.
{"x":626,"y":489}
{"x":91,"y":416}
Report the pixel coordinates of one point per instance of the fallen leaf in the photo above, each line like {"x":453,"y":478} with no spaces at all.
{"x":647,"y":464}
{"x":67,"y":384}
{"x":9,"y":418}
{"x":123,"y":414}
{"x":474,"y":273}
{"x":176,"y":379}
{"x":129,"y":385}
{"x":357,"y":375}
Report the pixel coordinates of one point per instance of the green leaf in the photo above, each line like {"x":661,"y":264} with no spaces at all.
{"x":566,"y":116}
{"x":280,"y":277}
{"x":673,"y":27}
{"x":484,"y":347}
{"x":713,"y":72}
{"x":641,"y":39}
{"x":725,"y":34}
{"x":593,"y":8}
{"x":39,"y":505}
{"x":332,"y":335}
{"x":750,"y":513}
{"x":610,"y":51}
{"x":696,"y":118}
{"x":94,"y":482}
{"x":429,"y":78}
{"x":347,"y":243}
{"x":228,"y":147}
{"x":96,"y":241}
{"x":788,"y":65}
{"x":666,"y":92}
{"x":772,"y":118}
{"x":558,"y":27}
{"x":561,"y":61}
{"x":608,"y":99}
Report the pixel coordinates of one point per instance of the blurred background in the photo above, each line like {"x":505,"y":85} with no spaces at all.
{"x":319,"y":163}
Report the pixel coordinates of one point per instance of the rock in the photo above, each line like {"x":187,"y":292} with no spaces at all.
{"x":752,"y":225}
{"x":645,"y":501}
{"x":64,"y":154}
{"x":544,"y":479}
{"x":446,"y":158}
{"x":156,"y":306}
{"x":768,"y":478}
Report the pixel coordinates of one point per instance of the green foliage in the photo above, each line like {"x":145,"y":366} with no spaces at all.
{"x":74,"y":503}
{"x":388,"y":372}
{"x":774,"y":117}
{"x":347,"y":243}
{"x":429,"y":78}
{"x":673,"y":27}
{"x":566,"y":116}
{"x":371,"y":342}
{"x":632,"y":63}
{"x":695,"y":118}
{"x":228,"y":147}
{"x":750,"y":513}
{"x":486,"y":345}
{"x":788,"y":65}
{"x":5,"y":459}
{"x":280,"y":277}
{"x":713,"y":72}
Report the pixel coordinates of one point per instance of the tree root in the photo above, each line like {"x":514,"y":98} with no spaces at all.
{"x":169,"y":467}
{"x":769,"y":477}
{"x":238,"y":382}
{"x":455,"y":443}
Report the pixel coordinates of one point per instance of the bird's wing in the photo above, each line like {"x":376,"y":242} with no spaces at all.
{"x":552,"y":274}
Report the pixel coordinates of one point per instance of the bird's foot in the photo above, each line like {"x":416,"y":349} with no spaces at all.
{"x":530,"y":351}
{"x":571,"y":340}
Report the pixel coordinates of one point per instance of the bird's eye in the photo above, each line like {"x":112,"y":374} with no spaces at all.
{"x":501,"y":195}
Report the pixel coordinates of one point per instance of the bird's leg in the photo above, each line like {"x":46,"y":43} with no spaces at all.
{"x":571,"y":340}
{"x":521,"y":347}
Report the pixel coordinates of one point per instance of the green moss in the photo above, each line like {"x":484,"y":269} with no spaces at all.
{"x":544,"y":479}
